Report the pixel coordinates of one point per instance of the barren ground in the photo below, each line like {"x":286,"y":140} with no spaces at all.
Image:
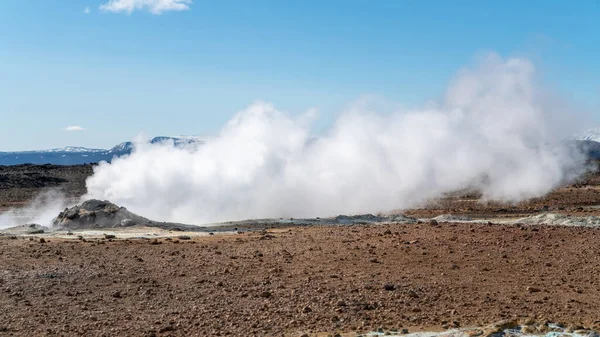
{"x":311,"y":279}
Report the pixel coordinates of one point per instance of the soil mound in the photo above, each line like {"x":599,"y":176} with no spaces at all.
{"x":26,"y":229}
{"x":97,"y":214}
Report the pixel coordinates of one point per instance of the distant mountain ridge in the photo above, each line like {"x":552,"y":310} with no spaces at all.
{"x":588,"y":142}
{"x":589,"y":135}
{"x":73,"y":149}
{"x":75,"y":155}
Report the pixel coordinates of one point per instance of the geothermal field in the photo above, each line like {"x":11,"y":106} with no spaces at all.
{"x":477,"y":215}
{"x":455,"y":266}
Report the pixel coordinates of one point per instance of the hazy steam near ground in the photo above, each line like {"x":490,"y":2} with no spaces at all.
{"x":40,"y":210}
{"x":496,"y":130}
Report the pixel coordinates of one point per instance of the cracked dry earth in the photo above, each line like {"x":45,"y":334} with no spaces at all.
{"x":346,"y":279}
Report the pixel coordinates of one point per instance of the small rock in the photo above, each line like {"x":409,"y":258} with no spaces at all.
{"x":528,"y":330}
{"x":474,"y":333}
{"x":533,"y":289}
{"x":433,"y":222}
{"x":109,"y":236}
{"x":42,"y":240}
{"x":501,"y":326}
{"x":306,"y":309}
{"x":389,"y":287}
{"x":184,"y":237}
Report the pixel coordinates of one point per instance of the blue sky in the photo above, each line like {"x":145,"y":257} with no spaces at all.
{"x":187,"y":71}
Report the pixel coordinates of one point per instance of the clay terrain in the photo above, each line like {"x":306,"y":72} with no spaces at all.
{"x":305,"y":280}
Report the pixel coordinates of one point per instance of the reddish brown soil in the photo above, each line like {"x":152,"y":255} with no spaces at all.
{"x":580,"y":199}
{"x":301,"y":280}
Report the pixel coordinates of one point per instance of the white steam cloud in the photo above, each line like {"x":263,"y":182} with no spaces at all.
{"x":41,"y":210}
{"x":495,"y":130}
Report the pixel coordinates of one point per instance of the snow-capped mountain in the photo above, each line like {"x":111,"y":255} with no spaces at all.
{"x":74,"y":155}
{"x":71,"y":149}
{"x":591,"y":134}
{"x":181,"y":141}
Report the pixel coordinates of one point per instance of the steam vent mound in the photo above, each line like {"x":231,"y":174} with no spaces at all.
{"x":98,"y":214}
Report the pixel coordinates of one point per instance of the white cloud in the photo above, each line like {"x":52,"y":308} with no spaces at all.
{"x":87,"y":10}
{"x":74,"y":128}
{"x":153,"y":6}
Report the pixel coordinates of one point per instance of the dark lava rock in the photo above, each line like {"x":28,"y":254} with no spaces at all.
{"x":93,"y":214}
{"x":97,"y":214}
{"x":389,"y":287}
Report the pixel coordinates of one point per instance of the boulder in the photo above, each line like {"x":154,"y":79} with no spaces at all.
{"x":97,"y":214}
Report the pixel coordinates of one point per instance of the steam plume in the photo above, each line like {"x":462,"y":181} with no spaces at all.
{"x":494,"y":130}
{"x":40,"y":210}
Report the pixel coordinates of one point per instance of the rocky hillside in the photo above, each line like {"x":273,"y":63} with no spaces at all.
{"x":20,"y":183}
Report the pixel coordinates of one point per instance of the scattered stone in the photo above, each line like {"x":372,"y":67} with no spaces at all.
{"x":533,"y":289}
{"x":472,"y":333}
{"x":500,"y":326}
{"x":306,"y":309}
{"x":389,"y":287}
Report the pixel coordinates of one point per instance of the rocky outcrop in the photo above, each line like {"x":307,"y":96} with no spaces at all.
{"x":97,"y":214}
